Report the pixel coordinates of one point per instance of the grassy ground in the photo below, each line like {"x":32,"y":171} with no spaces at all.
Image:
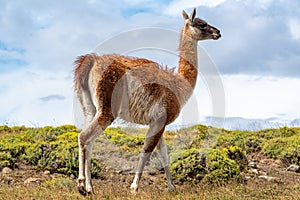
{"x":64,"y":188}
{"x":272,"y":150}
{"x":115,"y":185}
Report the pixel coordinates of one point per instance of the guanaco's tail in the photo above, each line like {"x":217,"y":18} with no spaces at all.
{"x":82,"y":70}
{"x":83,"y":67}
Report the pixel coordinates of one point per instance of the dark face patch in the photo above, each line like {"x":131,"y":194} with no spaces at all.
{"x":199,"y":23}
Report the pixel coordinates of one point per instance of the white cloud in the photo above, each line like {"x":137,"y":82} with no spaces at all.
{"x":294,"y":25}
{"x":261,"y":97}
{"x":176,"y":6}
{"x":254,"y":38}
{"x":22,"y":97}
{"x":264,"y":3}
{"x":137,"y":2}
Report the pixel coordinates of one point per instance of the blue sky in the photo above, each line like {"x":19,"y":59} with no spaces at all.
{"x":258,"y":56}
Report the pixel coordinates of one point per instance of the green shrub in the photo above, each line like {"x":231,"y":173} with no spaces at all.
{"x":4,"y":128}
{"x":287,"y":132}
{"x":191,"y":137}
{"x":126,"y":142}
{"x":51,"y":148}
{"x":282,"y":143}
{"x":286,"y":148}
{"x":236,"y":154}
{"x":233,"y":138}
{"x":249,"y":142}
{"x":279,"y":132}
{"x":190,"y":167}
{"x":199,"y":130}
{"x":5,"y":159}
{"x":221,"y":168}
{"x":169,"y":135}
{"x":199,"y":133}
{"x":209,"y":165}
{"x":253,"y":144}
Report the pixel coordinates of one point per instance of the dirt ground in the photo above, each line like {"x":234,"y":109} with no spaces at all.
{"x":122,"y":176}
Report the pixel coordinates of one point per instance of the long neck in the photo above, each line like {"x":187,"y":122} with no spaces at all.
{"x":188,"y":62}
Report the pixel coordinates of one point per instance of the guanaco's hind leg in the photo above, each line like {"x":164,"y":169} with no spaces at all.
{"x":154,"y":134}
{"x":86,"y":141}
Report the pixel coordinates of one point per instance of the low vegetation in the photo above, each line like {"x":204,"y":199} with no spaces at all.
{"x":125,"y":141}
{"x":199,"y":155}
{"x":282,"y":143}
{"x":47,"y":148}
{"x":208,"y":165}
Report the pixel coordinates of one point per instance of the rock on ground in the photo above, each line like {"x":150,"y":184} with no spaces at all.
{"x":6,"y":170}
{"x":32,"y":180}
{"x":294,"y":168}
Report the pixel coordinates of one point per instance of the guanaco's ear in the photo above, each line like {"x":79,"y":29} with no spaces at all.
{"x":193,"y":15}
{"x":184,"y":15}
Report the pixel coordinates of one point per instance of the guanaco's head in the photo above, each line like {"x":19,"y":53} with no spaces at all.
{"x":199,"y":29}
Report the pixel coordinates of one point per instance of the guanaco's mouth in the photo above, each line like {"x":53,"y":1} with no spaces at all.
{"x":216,"y":36}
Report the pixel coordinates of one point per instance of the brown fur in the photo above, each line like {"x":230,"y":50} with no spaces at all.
{"x":154,"y":82}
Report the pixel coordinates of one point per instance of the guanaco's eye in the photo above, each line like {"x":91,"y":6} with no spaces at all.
{"x":204,"y":25}
{"x":199,"y":23}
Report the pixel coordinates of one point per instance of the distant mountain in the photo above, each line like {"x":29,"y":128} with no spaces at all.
{"x":295,"y":122}
{"x":229,"y":123}
{"x":239,"y":123}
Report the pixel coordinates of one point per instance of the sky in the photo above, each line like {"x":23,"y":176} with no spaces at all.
{"x":257,"y":60}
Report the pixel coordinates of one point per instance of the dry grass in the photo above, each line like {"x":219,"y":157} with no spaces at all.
{"x":66,"y":190}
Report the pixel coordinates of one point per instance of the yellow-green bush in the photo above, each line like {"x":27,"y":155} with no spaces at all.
{"x":236,"y":154}
{"x":4,"y":128}
{"x":242,"y":139}
{"x":283,"y":143}
{"x":279,"y":132}
{"x":14,"y":129}
{"x":220,"y":167}
{"x":189,"y":166}
{"x":205,"y":136}
{"x":125,"y":141}
{"x":169,"y":135}
{"x":209,"y":165}
{"x":200,"y":134}
{"x":199,"y":130}
{"x":286,"y":148}
{"x":54,"y":149}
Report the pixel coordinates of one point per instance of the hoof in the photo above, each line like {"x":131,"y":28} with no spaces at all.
{"x":90,"y":194}
{"x":82,"y":190}
{"x":171,"y":188}
{"x":133,"y":190}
